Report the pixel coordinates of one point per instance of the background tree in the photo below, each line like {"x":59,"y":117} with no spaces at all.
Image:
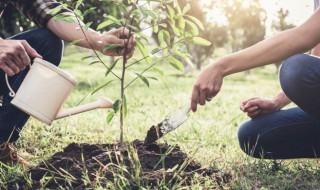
{"x":246,"y":21}
{"x":281,"y":24}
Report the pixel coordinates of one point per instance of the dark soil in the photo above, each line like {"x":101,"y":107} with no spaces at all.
{"x":81,"y":166}
{"x":153,"y":134}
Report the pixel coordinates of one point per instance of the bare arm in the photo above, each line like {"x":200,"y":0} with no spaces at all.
{"x":276,"y":48}
{"x":71,"y":31}
{"x":273,"y":49}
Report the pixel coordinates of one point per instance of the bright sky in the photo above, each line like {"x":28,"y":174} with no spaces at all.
{"x":299,"y":10}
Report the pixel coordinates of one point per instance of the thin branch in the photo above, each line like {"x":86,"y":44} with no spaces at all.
{"x":91,"y":46}
{"x":145,"y":71}
{"x":155,"y":52}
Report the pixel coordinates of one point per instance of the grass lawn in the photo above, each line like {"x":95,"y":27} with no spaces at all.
{"x":209,"y":136}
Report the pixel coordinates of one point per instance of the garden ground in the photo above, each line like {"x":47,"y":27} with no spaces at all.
{"x":209,"y":136}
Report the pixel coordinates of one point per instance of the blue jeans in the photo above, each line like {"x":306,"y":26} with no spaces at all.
{"x":294,"y":132}
{"x":12,"y":119}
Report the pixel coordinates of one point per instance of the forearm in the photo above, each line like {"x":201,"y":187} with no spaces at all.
{"x":316,"y":51}
{"x":273,"y":49}
{"x":71,"y":31}
{"x":281,"y":100}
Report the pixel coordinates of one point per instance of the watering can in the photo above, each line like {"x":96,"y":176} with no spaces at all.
{"x":45,"y":89}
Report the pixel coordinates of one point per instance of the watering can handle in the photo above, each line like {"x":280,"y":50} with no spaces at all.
{"x":12,"y":93}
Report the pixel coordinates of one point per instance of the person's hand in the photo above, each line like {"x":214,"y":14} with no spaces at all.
{"x":206,"y":86}
{"x":118,"y":36}
{"x":259,"y":106}
{"x":14,"y":55}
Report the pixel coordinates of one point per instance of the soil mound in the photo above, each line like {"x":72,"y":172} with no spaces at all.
{"x":81,"y":166}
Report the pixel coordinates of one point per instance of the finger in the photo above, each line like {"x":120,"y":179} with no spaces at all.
{"x":202,"y":97}
{"x":130,"y":54}
{"x":24,"y":57}
{"x":12,"y":66}
{"x":254,"y":114}
{"x":131,"y":43}
{"x":7,"y":70}
{"x":123,"y":32}
{"x":18,"y":62}
{"x":246,"y":101}
{"x":194,"y":98}
{"x":252,"y":109}
{"x":32,"y":52}
{"x":251,"y":103}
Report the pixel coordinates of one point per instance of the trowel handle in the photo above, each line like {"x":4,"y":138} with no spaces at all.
{"x":12,"y":92}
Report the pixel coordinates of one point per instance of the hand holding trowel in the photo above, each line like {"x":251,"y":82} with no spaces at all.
{"x":169,"y":124}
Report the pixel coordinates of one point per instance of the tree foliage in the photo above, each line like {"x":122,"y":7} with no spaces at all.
{"x":246,"y":22}
{"x":281,"y":23}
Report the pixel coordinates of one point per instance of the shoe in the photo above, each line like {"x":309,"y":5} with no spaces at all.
{"x":9,"y":156}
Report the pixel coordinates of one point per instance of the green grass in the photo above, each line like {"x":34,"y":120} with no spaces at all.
{"x":210,"y":134}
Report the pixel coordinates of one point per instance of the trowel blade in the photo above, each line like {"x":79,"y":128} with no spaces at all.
{"x":169,"y":124}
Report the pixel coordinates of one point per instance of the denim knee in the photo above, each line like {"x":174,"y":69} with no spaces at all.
{"x":293,"y":77}
{"x":248,"y":139}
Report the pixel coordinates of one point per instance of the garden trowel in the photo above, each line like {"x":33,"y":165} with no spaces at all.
{"x":169,"y":124}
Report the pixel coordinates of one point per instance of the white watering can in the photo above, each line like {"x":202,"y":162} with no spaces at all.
{"x":45,"y":89}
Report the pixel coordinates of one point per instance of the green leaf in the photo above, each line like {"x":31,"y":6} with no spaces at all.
{"x":79,"y":2}
{"x":152,"y":14}
{"x":110,"y":46}
{"x":87,"y":26}
{"x":155,"y":28}
{"x":66,"y":18}
{"x":86,"y":57}
{"x":114,"y":19}
{"x":94,"y":62}
{"x":105,"y":24}
{"x":195,"y":20}
{"x":88,"y":11}
{"x":153,"y":78}
{"x":101,"y":86}
{"x":109,"y":117}
{"x":124,"y":106}
{"x":111,"y":67}
{"x":186,"y":9}
{"x":55,"y":10}
{"x":144,"y":51}
{"x":73,"y":42}
{"x":171,"y":12}
{"x":78,"y":13}
{"x":142,"y":35}
{"x":144,"y":79}
{"x":193,"y":26}
{"x":158,"y":71}
{"x":116,"y":106}
{"x":181,"y":23}
{"x":164,"y":38}
{"x":143,"y":12}
{"x":174,"y":28}
{"x":176,"y":63}
{"x":155,"y":50}
{"x":134,"y":28}
{"x":201,"y":41}
{"x":161,"y":39}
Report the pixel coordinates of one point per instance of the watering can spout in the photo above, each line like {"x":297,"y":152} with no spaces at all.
{"x":102,"y":102}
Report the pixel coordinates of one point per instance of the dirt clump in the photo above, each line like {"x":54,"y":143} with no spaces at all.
{"x":82,"y":166}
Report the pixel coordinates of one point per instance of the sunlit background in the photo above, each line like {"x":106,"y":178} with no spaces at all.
{"x":299,"y":11}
